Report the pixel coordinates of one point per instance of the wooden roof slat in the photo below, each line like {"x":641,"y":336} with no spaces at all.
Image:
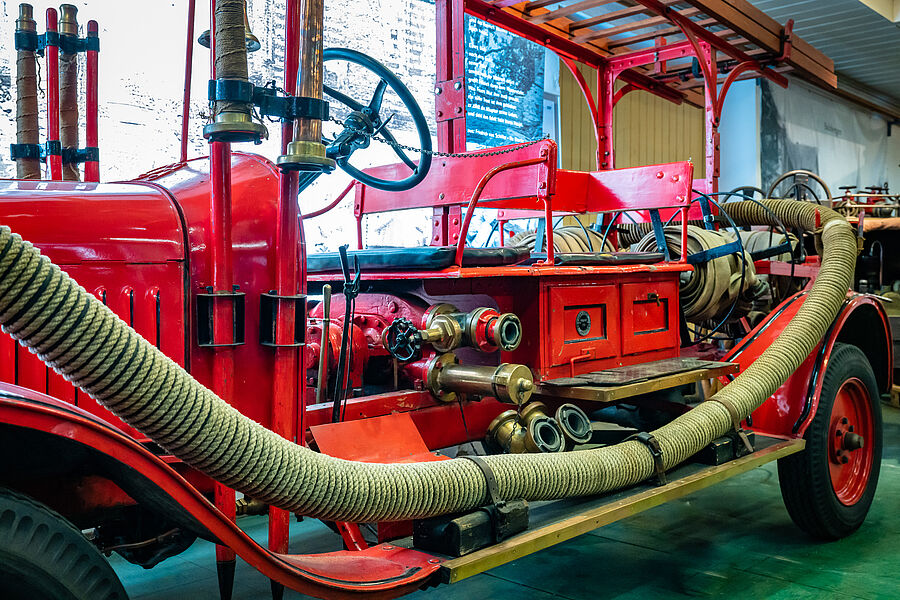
{"x":571,"y":9}
{"x":765,"y":32}
{"x":643,"y":37}
{"x":535,"y":4}
{"x":611,"y":16}
{"x":626,"y":27}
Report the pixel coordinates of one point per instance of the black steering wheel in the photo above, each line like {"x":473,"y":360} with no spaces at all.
{"x":365,"y":119}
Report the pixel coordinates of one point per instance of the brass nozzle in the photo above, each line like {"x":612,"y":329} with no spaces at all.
{"x":68,"y":19}
{"x":26,"y":22}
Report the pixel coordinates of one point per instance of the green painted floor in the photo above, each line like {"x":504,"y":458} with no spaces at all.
{"x":733,"y":540}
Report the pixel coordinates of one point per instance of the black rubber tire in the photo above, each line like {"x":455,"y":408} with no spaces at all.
{"x":42,"y":556}
{"x":804,"y":477}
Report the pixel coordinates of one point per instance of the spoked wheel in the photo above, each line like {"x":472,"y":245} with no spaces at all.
{"x":43,"y":557}
{"x":829,"y":487}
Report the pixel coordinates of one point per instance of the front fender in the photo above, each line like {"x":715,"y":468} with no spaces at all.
{"x":861,"y":322}
{"x":382,"y":571}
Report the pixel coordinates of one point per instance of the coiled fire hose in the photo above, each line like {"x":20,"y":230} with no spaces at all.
{"x":80,"y":338}
{"x":708,"y":292}
{"x":566,"y":239}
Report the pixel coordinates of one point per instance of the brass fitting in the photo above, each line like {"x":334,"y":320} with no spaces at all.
{"x":250,"y":506}
{"x":305,"y":155}
{"x":529,"y":431}
{"x":574,"y":424}
{"x":484,"y":329}
{"x":26,"y":22}
{"x":507,"y":382}
{"x":68,"y":19}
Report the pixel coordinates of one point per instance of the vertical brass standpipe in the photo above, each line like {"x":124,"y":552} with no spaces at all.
{"x":68,"y":90}
{"x":232,"y":120}
{"x":26,"y":97}
{"x":307,"y":152}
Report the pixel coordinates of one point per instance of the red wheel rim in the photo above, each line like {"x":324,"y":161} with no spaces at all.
{"x":850,"y":441}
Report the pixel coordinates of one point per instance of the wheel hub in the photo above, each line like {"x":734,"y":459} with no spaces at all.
{"x":850,"y":461}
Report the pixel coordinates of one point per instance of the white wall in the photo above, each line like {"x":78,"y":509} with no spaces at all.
{"x":739,"y":137}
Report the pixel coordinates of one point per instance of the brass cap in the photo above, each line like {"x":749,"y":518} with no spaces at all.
{"x":25,"y":22}
{"x":513,"y":383}
{"x":68,"y":19}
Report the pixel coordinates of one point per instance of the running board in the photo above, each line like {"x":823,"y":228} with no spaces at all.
{"x":561,"y":520}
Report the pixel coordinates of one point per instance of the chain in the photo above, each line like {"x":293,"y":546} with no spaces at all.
{"x":398,"y":145}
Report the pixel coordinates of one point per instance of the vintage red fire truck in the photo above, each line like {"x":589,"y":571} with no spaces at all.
{"x":652,"y":351}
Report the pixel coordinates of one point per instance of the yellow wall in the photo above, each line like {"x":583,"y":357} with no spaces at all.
{"x":646,"y":128}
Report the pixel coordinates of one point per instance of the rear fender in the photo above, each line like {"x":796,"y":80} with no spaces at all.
{"x":861,"y":322}
{"x":382,"y":571}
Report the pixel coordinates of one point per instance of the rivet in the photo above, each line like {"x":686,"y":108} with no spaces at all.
{"x":441,"y":195}
{"x":660,"y":175}
{"x":455,"y":221}
{"x":440,"y":113}
{"x":437,"y":90}
{"x":675,"y":177}
{"x":457,"y":85}
{"x":458,"y":109}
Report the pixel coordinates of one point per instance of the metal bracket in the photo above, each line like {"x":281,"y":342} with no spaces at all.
{"x":652,"y":444}
{"x":450,"y":99}
{"x":268,"y":320}
{"x":206,"y":314}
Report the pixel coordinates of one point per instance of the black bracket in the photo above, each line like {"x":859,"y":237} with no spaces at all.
{"x":70,"y":44}
{"x":652,"y":444}
{"x":17,"y":151}
{"x":27,"y":40}
{"x":80,"y":155}
{"x":206,"y":314}
{"x":506,"y":518}
{"x":268,"y":319}
{"x":493,"y":490}
{"x":288,"y":108}
{"x":54,"y":148}
{"x":268,"y":99}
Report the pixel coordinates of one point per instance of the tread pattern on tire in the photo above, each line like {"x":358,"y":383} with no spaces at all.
{"x":31,"y":532}
{"x":804,"y":478}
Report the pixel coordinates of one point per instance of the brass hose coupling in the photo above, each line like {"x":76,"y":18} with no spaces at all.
{"x":446,"y":378}
{"x":530,"y":430}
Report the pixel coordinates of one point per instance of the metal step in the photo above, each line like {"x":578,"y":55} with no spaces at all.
{"x":612,"y":385}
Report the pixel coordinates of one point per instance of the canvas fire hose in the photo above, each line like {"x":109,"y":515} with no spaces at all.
{"x":74,"y":333}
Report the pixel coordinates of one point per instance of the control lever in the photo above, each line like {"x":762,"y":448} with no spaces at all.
{"x":350,"y":292}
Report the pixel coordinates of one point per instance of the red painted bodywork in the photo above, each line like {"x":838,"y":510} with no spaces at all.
{"x":791,"y":409}
{"x":382,"y":571}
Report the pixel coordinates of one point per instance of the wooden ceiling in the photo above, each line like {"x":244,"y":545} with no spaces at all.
{"x":613,"y":27}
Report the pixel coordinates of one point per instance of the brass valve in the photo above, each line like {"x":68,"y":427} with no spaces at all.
{"x":446,"y":329}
